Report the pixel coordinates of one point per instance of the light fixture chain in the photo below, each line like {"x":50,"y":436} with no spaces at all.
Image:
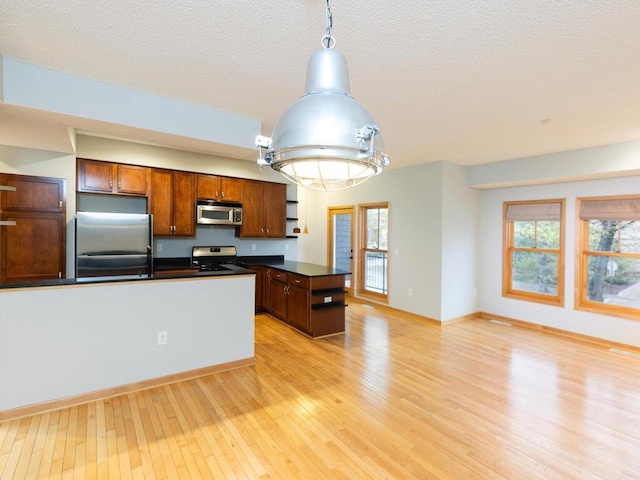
{"x":328,"y":41}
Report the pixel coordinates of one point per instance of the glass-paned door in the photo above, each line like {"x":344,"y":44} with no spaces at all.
{"x":373,"y":257}
{"x":341,"y":238}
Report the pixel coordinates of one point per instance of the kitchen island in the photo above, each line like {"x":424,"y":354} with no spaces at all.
{"x":68,"y":341}
{"x":307,"y":297}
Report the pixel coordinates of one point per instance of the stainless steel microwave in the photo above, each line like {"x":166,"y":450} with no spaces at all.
{"x":209,"y":212}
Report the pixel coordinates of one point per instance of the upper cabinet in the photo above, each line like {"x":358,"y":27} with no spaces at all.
{"x":113,"y":178}
{"x":264,"y":207}
{"x":172,"y":195}
{"x":27,"y":193}
{"x":221,"y":189}
{"x":172,"y":202}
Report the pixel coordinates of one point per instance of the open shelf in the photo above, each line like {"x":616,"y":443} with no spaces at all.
{"x":320,"y":306}
{"x":325,"y":291}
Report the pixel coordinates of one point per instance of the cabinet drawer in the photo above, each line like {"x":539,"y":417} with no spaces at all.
{"x":279,"y":275}
{"x":299,"y":280}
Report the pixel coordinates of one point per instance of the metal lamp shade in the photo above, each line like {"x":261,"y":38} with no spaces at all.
{"x":327,"y":140}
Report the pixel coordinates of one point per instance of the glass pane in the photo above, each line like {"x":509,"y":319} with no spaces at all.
{"x":342,"y":249}
{"x":603,"y":235}
{"x":548,"y":234}
{"x":535,"y":272}
{"x":614,"y":281}
{"x":524,"y":234}
{"x":373,"y":220}
{"x":384,"y":229}
{"x":377,"y":228}
{"x":375,"y":272}
{"x":630,"y":237}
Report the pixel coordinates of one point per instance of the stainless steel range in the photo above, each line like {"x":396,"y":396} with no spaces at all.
{"x":210,"y":259}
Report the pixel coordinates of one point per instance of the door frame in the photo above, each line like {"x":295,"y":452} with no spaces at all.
{"x":351,"y":210}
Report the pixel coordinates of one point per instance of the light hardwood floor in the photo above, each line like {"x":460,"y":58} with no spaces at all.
{"x":393,"y":398}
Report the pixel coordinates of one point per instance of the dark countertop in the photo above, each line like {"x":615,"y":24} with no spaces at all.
{"x":159,"y":275}
{"x":273,"y":261}
{"x":305,"y":269}
{"x":175,"y":268}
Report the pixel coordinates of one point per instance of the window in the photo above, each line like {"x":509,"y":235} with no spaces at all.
{"x":533,"y":251}
{"x":373,"y":262}
{"x":608,"y":270}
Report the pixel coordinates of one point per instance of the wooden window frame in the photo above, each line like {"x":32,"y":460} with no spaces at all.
{"x":362,"y":249}
{"x":582,"y":254}
{"x":507,"y":255}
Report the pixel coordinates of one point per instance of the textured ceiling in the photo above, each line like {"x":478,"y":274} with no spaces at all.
{"x":463,"y":81}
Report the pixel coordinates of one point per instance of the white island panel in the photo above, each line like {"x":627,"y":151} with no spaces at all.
{"x":69,"y":340}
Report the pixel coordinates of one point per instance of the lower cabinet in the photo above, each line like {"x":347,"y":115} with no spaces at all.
{"x":25,"y":255}
{"x":298,"y":304}
{"x":313,"y":305}
{"x":260,"y":282}
{"x":278,"y":299}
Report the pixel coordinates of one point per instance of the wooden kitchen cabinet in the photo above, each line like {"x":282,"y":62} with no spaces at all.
{"x":42,"y":194}
{"x":32,"y":228}
{"x":264,"y":210}
{"x":94,"y":176}
{"x":314,"y":305}
{"x":298,"y":307}
{"x":220,"y":189}
{"x":278,"y":299}
{"x":260,"y":286}
{"x":172,"y":202}
{"x":25,"y":256}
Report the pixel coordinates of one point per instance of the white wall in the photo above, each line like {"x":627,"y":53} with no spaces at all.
{"x":415,"y":243}
{"x":620,"y":159}
{"x":490,"y":261}
{"x":460,"y":233}
{"x":65,"y":341}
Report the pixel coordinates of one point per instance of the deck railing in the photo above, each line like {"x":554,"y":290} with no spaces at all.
{"x":375,"y":272}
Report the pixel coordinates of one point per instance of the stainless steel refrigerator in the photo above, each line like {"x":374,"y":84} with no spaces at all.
{"x":113,"y":244}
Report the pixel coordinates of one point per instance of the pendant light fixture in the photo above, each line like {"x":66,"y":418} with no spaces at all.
{"x":326,"y":140}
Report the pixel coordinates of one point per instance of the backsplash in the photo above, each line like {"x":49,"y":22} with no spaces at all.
{"x":217,"y":235}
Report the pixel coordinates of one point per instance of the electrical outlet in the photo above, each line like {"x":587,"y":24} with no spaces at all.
{"x":158,"y":247}
{"x":410,"y":291}
{"x":253,"y":247}
{"x":163,"y":338}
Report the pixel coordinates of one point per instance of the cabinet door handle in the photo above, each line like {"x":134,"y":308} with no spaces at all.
{"x":222,"y":195}
{"x":262,"y":231}
{"x":7,"y":223}
{"x":110,"y":184}
{"x":297,"y":281}
{"x":267,"y":231}
{"x":7,"y":188}
{"x":60,"y":204}
{"x":119,"y":186}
